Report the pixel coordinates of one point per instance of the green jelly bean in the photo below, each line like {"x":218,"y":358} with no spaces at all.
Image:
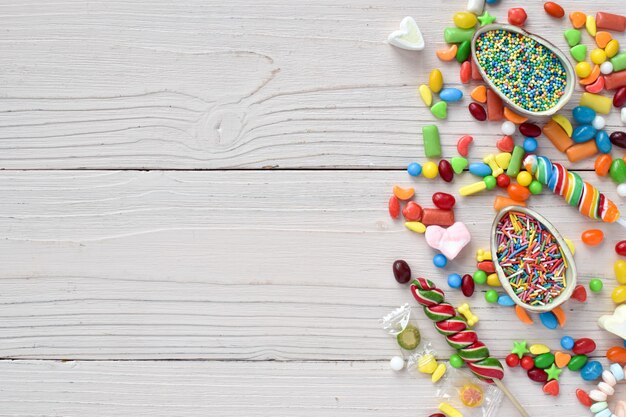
{"x":579,"y":52}
{"x":516,"y":161}
{"x":544,"y":361}
{"x":577,"y":362}
{"x":456,"y":35}
{"x":617,"y":171}
{"x":440,"y":110}
{"x":458,"y":164}
{"x":432,"y":143}
{"x":464,"y":51}
{"x":572,"y":36}
{"x":619,"y":62}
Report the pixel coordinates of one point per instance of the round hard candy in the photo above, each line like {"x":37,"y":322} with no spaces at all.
{"x":396,"y":363}
{"x":414,"y":169}
{"x":456,"y":361}
{"x":454,"y":280}
{"x":591,"y":371}
{"x":512,"y":360}
{"x":527,"y":362}
{"x":567,"y":342}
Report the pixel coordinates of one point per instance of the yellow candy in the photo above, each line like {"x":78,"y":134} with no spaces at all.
{"x":465,"y":20}
{"x":620,"y":271}
{"x":611,"y":48}
{"x":426,"y":94}
{"x":493,"y":281}
{"x":590,"y":25}
{"x":430,"y":170}
{"x":571,"y":246}
{"x":538,"y":349}
{"x":600,"y":104}
{"x":503,"y":159}
{"x":583,"y":69}
{"x":450,"y":411}
{"x":495,"y":168}
{"x":427,"y":364}
{"x":472,"y":188}
{"x":483,"y":255}
{"x":598,"y":56}
{"x":417,"y":227}
{"x":524,"y":178}
{"x":619,"y":294}
{"x":564,"y":123}
{"x":439,"y":372}
{"x":435,"y":81}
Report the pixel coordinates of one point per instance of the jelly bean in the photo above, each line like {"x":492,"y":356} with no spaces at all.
{"x":462,"y":145}
{"x":619,"y":294}
{"x":503,"y":180}
{"x":548,"y":319}
{"x":579,"y":52}
{"x":620,"y":249}
{"x":465,"y":73}
{"x":463,"y":52}
{"x":591,"y":371}
{"x":617,"y":171}
{"x":598,"y":103}
{"x":537,"y":375}
{"x":620,"y":97}
{"x":435,"y":80}
{"x":443,"y":201}
{"x":412,"y":212}
{"x":517,"y":16}
{"x":467,"y":285}
{"x":451,"y":94}
{"x":603,"y":38}
{"x":583,"y":133}
{"x":602,"y":165}
{"x":440,"y":110}
{"x":465,"y":20}
{"x":401,"y":271}
{"x":394,"y":207}
{"x":583,"y":346}
{"x":618,"y":139}
{"x":592,"y":237}
{"x":527,"y":362}
{"x":553,"y":9}
{"x":479,"y":169}
{"x":437,"y":217}
{"x":567,"y":342}
{"x":572,"y":36}
{"x":535,"y":187}
{"x":414,"y":169}
{"x":583,"y":398}
{"x":478,"y":112}
{"x":440,"y":261}
{"x":454,"y":281}
{"x":445,"y":170}
{"x":458,"y":164}
{"x":544,"y":361}
{"x":517,"y":192}
{"x":524,"y":178}
{"x":595,"y":285}
{"x":603,"y":142}
{"x":480,"y":277}
{"x":578,"y":19}
{"x":416,"y":227}
{"x":457,"y":35}
{"x":616,"y":354}
{"x":583,"y":114}
{"x":530,"y":145}
{"x":530,"y":130}
{"x":512,"y":360}
{"x":583,"y":69}
{"x":577,"y":362}
{"x":432,"y":142}
{"x":598,"y":56}
{"x":506,"y":301}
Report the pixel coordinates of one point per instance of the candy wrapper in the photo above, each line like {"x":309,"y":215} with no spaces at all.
{"x":469,"y":395}
{"x":403,"y":328}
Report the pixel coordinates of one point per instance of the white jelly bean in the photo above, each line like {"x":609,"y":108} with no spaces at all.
{"x":606,"y":388}
{"x":396,"y":363}
{"x":609,"y":378}
{"x":597,"y":395}
{"x":598,"y":123}
{"x":606,"y":67}
{"x":508,"y":128}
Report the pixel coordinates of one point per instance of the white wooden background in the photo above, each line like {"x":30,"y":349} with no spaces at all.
{"x":152,"y":264}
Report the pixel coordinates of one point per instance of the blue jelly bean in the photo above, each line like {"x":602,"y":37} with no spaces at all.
{"x":440,"y":260}
{"x":480,"y":169}
{"x":583,"y":114}
{"x":567,"y":342}
{"x":583,"y":133}
{"x":530,"y":145}
{"x":414,"y":169}
{"x":617,"y":371}
{"x":505,"y":300}
{"x":491,"y":1}
{"x":603,"y":142}
{"x":549,"y":320}
{"x":591,"y":371}
{"x":454,"y":280}
{"x":450,"y":94}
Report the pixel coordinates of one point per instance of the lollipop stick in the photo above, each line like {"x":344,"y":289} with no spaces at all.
{"x":622,"y":222}
{"x":508,"y":393}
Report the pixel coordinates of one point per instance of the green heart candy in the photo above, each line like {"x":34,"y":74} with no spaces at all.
{"x":572,"y":36}
{"x":458,"y":164}
{"x":579,"y":52}
{"x":440,"y":110}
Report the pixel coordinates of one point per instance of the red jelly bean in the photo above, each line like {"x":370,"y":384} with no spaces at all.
{"x":530,"y":130}
{"x":618,"y":139}
{"x":537,"y":375}
{"x":512,"y":360}
{"x":553,"y":9}
{"x":592,"y":237}
{"x":466,"y":72}
{"x":503,"y":180}
{"x":580,"y":293}
{"x":620,"y":248}
{"x":517,"y":16}
{"x":467,"y":285}
{"x":620,"y":97}
{"x":394,"y":207}
{"x":583,"y":398}
{"x":487,"y":266}
{"x":527,"y":363}
{"x":517,"y":192}
{"x":478,"y":112}
{"x":444,"y":201}
{"x":412,"y":212}
{"x":437,"y":415}
{"x":584,"y":346}
{"x":401,"y":271}
{"x":445,"y":170}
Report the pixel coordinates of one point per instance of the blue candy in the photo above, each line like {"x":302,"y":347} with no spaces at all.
{"x":454,"y":280}
{"x":440,"y":260}
{"x":491,"y":1}
{"x":603,"y":142}
{"x":530,"y":145}
{"x":480,"y":169}
{"x":604,"y":413}
{"x":450,"y":94}
{"x":505,"y":300}
{"x":583,"y":114}
{"x":567,"y":342}
{"x":583,"y":133}
{"x":549,"y":320}
{"x":591,"y":371}
{"x":617,"y":371}
{"x":414,"y":169}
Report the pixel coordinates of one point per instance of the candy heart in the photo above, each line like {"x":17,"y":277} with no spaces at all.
{"x":440,"y":110}
{"x":579,"y":293}
{"x":614,"y":323}
{"x":408,"y":37}
{"x":448,"y":241}
{"x":458,"y":164}
{"x":505,"y":144}
{"x":412,"y":212}
{"x":551,"y":388}
{"x":479,"y":94}
{"x":562,"y":359}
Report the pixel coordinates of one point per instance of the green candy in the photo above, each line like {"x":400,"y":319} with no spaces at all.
{"x":458,"y":164}
{"x":619,"y":62}
{"x":535,"y":187}
{"x":490,"y":182}
{"x":516,"y":161}
{"x":595,"y":285}
{"x":617,"y":171}
{"x":579,"y":52}
{"x":456,"y":35}
{"x":572,"y":36}
{"x":432,"y":143}
{"x":475,"y":352}
{"x":491,"y":296}
{"x":544,"y":361}
{"x":456,"y":361}
{"x":440,"y":110}
{"x":577,"y":362}
{"x":480,"y":277}
{"x":461,"y":340}
{"x":464,"y":51}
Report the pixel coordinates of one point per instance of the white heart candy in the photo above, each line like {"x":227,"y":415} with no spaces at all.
{"x":448,"y":241}
{"x":408,"y":37}
{"x":614,"y":323}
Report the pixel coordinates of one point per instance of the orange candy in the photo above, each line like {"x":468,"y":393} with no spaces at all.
{"x":523,"y":315}
{"x":602,"y":165}
{"x":592,"y":78}
{"x":562,"y":359}
{"x":554,"y":9}
{"x":501,"y":202}
{"x":403,"y":193}
{"x":479,"y":94}
{"x":602,"y":39}
{"x":447,"y":54}
{"x":616,"y":354}
{"x":578,"y":19}
{"x":592,"y":237}
{"x":517,"y":192}
{"x":560,"y":316}
{"x":511,"y":116}
{"x":465,"y":74}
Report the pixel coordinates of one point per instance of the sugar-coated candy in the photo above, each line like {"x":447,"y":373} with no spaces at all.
{"x":535,"y":187}
{"x":412,"y":212}
{"x":545,"y":360}
{"x":583,"y":346}
{"x":607,"y":388}
{"x":591,"y":371}
{"x":598,"y":122}
{"x":552,"y":386}
{"x":583,"y":69}
{"x":620,"y":249}
{"x":539,"y":349}
{"x":524,"y":178}
{"x":595,"y":285}
{"x":621,"y":190}
{"x":475,"y":6}
{"x":426,"y":95}
{"x":478,"y":112}
{"x":583,"y":397}
{"x":503,"y":180}
{"x":445,"y":170}
{"x":517,"y":16}
{"x":512,"y":360}
{"x":394,"y":207}
{"x":578,"y":19}
{"x":435,"y":80}
{"x":554,"y":9}
{"x":432,"y":142}
{"x":572,"y":36}
{"x":465,"y":73}
{"x":606,"y":68}
{"x":577,"y":362}
{"x":439,"y":260}
{"x":454,"y":281}
{"x":602,"y":165}
{"x":479,"y":94}
{"x":456,"y":361}
{"x":617,"y":171}
{"x":592,"y":237}
{"x":591,"y":26}
{"x":401,"y":271}
{"x":530,"y":145}
{"x":458,"y":164}
{"x":598,"y":407}
{"x":490,"y":182}
{"x":396,"y":363}
{"x":619,"y":294}
{"x":579,"y":52}
{"x":548,"y":319}
{"x":491,"y":296}
{"x":517,"y":192}
{"x":414,"y":169}
{"x":598,"y":56}
{"x":537,"y":375}
{"x":467,"y":285}
{"x":463,"y":53}
{"x":430,"y":170}
{"x":619,"y":267}
{"x":480,"y":277}
{"x":597,"y":395}
{"x":437,"y":415}
{"x":464,"y":20}
{"x":451,"y":94}
{"x":579,"y":293}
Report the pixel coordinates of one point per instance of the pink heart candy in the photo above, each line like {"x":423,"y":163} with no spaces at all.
{"x":448,"y":241}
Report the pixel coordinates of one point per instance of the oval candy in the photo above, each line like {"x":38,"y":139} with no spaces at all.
{"x":544,"y":361}
{"x":583,"y":133}
{"x":618,"y":139}
{"x":451,"y":95}
{"x":467,"y":285}
{"x":620,"y":248}
{"x":591,"y":237}
{"x":584,"y":346}
{"x":591,"y":371}
{"x":603,"y":142}
{"x":530,"y":130}
{"x":479,"y":169}
{"x":619,"y":99}
{"x":478,"y":112}
{"x":443,"y":201}
{"x":577,"y":362}
{"x":401,"y":271}
{"x":554,"y":9}
{"x":537,"y":375}
{"x":583,"y":114}
{"x":465,"y":20}
{"x":445,"y":170}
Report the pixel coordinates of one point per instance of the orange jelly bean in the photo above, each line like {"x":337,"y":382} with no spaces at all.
{"x":403,"y":193}
{"x":592,"y":237}
{"x":517,"y":192}
{"x":616,"y":354}
{"x":602,"y":165}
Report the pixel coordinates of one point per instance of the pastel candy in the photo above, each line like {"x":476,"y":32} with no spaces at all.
{"x":462,"y":339}
{"x":617,"y":371}
{"x":549,"y":320}
{"x":616,"y":322}
{"x":440,"y":110}
{"x":456,"y":35}
{"x":620,"y":409}
{"x":439,"y":312}
{"x":448,"y":241}
{"x":606,"y":388}
{"x":573,"y":37}
{"x":591,"y":371}
{"x":487,"y":369}
{"x":604,"y":413}
{"x":451,"y":326}
{"x":599,"y":406}
{"x":428,"y":297}
{"x":451,"y":94}
{"x":408,"y":37}
{"x":475,"y":352}
{"x":597,"y":395}
{"x":609,"y":378}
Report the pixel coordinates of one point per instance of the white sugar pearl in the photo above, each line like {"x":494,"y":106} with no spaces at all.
{"x":508,"y":128}
{"x":606,"y":388}
{"x":598,"y":123}
{"x":621,"y":191}
{"x":597,"y":395}
{"x":396,"y":363}
{"x":623,"y":115}
{"x":609,"y":378}
{"x":606,"y":67}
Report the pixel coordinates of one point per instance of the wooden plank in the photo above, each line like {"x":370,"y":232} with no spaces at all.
{"x":47,"y":388}
{"x":241,"y":265}
{"x":197,"y":84}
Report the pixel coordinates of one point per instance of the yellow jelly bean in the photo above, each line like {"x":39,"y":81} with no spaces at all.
{"x":538,"y":349}
{"x":470,"y":189}
{"x":430,"y":170}
{"x":450,"y":411}
{"x":598,"y":103}
{"x":619,"y":294}
{"x":417,"y":227}
{"x":465,"y":20}
{"x":435,"y":81}
{"x":570,"y":245}
{"x":590,"y":25}
{"x":427,"y":364}
{"x":620,"y":271}
{"x":439,"y":372}
{"x":493,"y":281}
{"x":583,"y":69}
{"x":426,"y":94}
{"x":611,"y":48}
{"x":564,"y":123}
{"x":598,"y":56}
